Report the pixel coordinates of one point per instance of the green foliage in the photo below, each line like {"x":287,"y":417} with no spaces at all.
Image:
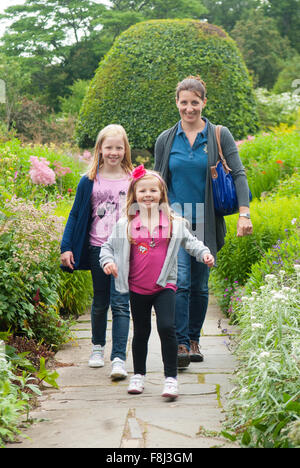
{"x":135,"y":82}
{"x":269,"y":158}
{"x":271,"y":220}
{"x":228,"y":12}
{"x":263,"y":48}
{"x":264,"y":406}
{"x":13,"y":401}
{"x":75,"y":292}
{"x":288,"y":78}
{"x":21,"y":377}
{"x":71,"y":104}
{"x":29,"y":279}
{"x":283,"y":255}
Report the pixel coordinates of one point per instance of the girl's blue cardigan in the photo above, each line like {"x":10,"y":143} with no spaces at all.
{"x":76,"y":234}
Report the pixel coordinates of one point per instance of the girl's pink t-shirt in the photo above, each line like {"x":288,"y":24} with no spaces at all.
{"x":108,"y":203}
{"x":146,"y":261}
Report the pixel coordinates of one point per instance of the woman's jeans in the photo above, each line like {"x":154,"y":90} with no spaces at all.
{"x":105,"y":294}
{"x":164,"y":306}
{"x":191,"y":298}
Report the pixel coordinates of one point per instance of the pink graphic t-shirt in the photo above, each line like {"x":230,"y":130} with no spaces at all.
{"x":108,"y":203}
{"x":147,"y":256}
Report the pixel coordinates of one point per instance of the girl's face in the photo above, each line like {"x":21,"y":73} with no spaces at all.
{"x":113,"y":151}
{"x":148,"y":193}
{"x":190,"y":106}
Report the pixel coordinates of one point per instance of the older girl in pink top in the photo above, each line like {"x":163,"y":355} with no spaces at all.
{"x":154,"y":239}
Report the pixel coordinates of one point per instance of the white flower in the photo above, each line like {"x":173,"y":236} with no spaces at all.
{"x":257,"y":325}
{"x":278,"y":295}
{"x":264,"y":354}
{"x":297,"y":267}
{"x":270,"y":278}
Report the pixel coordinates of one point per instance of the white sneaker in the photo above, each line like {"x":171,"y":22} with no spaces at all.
{"x":136,"y":384}
{"x":170,"y":388}
{"x":97,"y":356}
{"x":118,"y":369}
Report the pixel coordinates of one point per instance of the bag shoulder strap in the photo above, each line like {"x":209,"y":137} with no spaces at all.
{"x":220,"y":151}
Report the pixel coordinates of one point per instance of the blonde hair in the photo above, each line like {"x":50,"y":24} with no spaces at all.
{"x":131,"y":203}
{"x":109,"y":131}
{"x":194,"y":84}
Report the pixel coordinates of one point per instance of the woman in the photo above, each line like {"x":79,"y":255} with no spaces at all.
{"x":183,"y":156}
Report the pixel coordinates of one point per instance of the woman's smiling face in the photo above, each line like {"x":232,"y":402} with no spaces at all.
{"x":190,"y":106}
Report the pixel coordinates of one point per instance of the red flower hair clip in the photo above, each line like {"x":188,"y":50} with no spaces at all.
{"x":138,"y":172}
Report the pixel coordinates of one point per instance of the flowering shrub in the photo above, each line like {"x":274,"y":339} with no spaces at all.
{"x":270,"y":157}
{"x":40,"y":171}
{"x":30,"y":276}
{"x":274,"y":109}
{"x":264,"y":406}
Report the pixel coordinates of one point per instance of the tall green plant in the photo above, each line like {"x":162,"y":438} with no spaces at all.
{"x":264,"y":406}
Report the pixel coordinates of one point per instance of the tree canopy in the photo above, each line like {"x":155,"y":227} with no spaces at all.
{"x":135,"y":82}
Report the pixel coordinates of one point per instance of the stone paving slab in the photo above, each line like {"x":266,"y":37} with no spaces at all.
{"x":89,"y":410}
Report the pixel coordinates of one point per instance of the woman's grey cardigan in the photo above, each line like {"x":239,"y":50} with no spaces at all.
{"x":214,"y":226}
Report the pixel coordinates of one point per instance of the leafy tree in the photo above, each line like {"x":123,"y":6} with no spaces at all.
{"x":263,"y":49}
{"x":16,"y":82}
{"x":226,"y":13}
{"x":286,"y":13}
{"x":125,"y":13}
{"x":289,"y":78}
{"x":71,"y":104}
{"x":135,"y":82}
{"x":44,"y":28}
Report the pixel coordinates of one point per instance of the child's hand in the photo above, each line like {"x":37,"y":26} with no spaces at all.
{"x":209,"y":260}
{"x":111,"y":269}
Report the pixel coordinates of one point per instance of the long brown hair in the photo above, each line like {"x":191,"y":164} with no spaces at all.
{"x":108,"y":131}
{"x":132,"y":206}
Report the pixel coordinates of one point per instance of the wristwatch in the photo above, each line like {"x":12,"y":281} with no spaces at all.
{"x":245,"y":215}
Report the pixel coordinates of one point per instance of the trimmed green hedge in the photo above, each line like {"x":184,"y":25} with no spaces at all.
{"x":135,"y":82}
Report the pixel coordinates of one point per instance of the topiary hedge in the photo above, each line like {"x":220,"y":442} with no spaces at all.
{"x":135,"y":82}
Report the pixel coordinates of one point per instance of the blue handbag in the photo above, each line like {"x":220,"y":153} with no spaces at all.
{"x":224,"y":193}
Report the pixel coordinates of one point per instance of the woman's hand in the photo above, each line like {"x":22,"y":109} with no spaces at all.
{"x":244,"y":227}
{"x":67,"y":259}
{"x":111,"y":269}
{"x":209,"y":260}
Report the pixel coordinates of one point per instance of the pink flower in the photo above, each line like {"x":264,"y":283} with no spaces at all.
{"x":138,"y":172}
{"x":40,"y":173}
{"x":60,"y":170}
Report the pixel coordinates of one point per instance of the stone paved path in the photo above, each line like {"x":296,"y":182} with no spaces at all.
{"x":90,"y":411}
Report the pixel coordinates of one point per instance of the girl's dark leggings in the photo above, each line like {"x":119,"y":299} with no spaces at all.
{"x":164,"y":306}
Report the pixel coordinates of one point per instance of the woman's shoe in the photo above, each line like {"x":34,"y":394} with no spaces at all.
{"x":136,"y":385}
{"x":195,"y":354}
{"x":183,"y":357}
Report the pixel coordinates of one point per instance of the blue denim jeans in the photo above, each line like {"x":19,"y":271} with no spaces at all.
{"x":191,"y":298}
{"x":105,"y":294}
